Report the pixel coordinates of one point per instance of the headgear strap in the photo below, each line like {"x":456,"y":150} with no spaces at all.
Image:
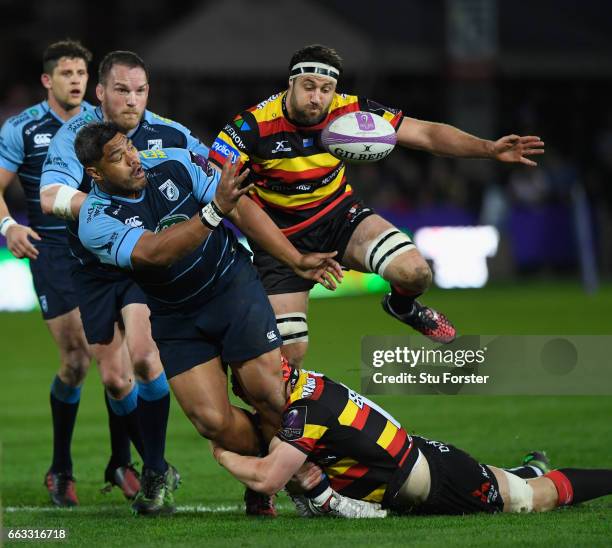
{"x":312,"y":67}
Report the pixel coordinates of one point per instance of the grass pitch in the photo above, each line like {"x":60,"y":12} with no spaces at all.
{"x":499,"y":430}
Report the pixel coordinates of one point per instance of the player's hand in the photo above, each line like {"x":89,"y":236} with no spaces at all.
{"x":230,"y":188}
{"x":321,"y":268}
{"x":217,"y":450}
{"x":18,"y":243}
{"x":514,"y":148}
{"x":308,"y":476}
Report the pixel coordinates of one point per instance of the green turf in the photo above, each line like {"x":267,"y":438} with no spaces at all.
{"x":574,"y":430}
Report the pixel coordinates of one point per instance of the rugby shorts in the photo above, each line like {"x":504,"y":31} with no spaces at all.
{"x":52,"y":277}
{"x":235,"y":322}
{"x":101,"y":297}
{"x":333,"y":234}
{"x":459,"y":483}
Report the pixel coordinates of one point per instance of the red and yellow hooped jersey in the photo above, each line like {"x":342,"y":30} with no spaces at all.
{"x":357,"y":443}
{"x":296,"y":180}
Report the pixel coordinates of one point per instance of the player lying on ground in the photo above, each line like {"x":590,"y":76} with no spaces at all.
{"x":371,"y":465}
{"x":208,"y":307}
{"x":305,"y":191}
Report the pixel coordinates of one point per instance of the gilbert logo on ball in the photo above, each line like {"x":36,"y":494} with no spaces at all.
{"x":359,"y":137}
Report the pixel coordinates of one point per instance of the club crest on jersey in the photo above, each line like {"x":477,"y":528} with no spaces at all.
{"x":294,"y":421}
{"x":169,"y":190}
{"x":167,"y":222}
{"x":154,"y":144}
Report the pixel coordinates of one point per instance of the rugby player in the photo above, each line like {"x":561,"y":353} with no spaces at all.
{"x":305,"y":191}
{"x":367,"y":457}
{"x":113,"y":310}
{"x":208,"y":307}
{"x":24,"y":141}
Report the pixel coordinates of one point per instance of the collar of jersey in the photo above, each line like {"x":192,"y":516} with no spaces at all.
{"x":99,"y":192}
{"x":48,"y":109}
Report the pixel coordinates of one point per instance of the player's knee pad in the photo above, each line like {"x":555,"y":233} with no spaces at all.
{"x":520,"y":494}
{"x":384,"y":248}
{"x":292,"y":327}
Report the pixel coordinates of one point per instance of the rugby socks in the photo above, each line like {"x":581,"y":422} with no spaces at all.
{"x":64,"y":406}
{"x":119,"y":438}
{"x":401,"y":301}
{"x":575,"y":485}
{"x":126,"y":410}
{"x":153,"y":410}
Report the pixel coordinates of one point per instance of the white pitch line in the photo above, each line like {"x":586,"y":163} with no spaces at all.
{"x":199,"y":508}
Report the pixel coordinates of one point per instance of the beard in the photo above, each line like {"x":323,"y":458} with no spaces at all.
{"x":304,"y":117}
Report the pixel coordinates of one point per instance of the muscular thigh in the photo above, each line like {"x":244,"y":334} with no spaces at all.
{"x":67,"y":331}
{"x":291,"y":311}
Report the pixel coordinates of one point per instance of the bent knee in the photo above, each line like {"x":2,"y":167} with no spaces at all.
{"x":210,"y":424}
{"x":145,"y":360}
{"x":413,"y":276}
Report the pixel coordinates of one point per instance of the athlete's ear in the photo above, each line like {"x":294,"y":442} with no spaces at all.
{"x":100,"y":92}
{"x":94,"y":173}
{"x":45,"y":80}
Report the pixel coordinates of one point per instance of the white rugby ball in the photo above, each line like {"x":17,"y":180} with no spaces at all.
{"x":359,"y":137}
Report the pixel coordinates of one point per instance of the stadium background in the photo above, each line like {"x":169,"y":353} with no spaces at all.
{"x":489,"y":67}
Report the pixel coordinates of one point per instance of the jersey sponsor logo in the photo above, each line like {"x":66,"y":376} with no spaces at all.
{"x":360,"y":401}
{"x":308,"y":142}
{"x":153,"y":154}
{"x":309,"y":387}
{"x":34,"y":127}
{"x":133,"y":221}
{"x":242,"y":124}
{"x":377,"y":108}
{"x":19,"y":119}
{"x":154,"y":144}
{"x":223,"y":149}
{"x":266,"y":101}
{"x":201,"y":162}
{"x":94,"y":210}
{"x":294,"y":421}
{"x":231,"y":133}
{"x":42,"y":140}
{"x":79,"y":123}
{"x":167,"y":222}
{"x":33,"y":112}
{"x":43,"y":303}
{"x":271,"y":336}
{"x":169,"y":190}
{"x":55,"y":161}
{"x":108,"y":246}
{"x":281,"y":146}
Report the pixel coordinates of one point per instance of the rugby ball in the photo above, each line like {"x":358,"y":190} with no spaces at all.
{"x":359,"y":137}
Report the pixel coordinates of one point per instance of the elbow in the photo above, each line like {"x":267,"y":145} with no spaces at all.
{"x":270,"y":487}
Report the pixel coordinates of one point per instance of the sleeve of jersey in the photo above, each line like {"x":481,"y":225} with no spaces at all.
{"x":107,"y":238}
{"x":393,"y":115}
{"x":235,"y":139}
{"x":62,"y":165}
{"x":204,"y":178}
{"x":304,"y":424}
{"x":11,"y":147}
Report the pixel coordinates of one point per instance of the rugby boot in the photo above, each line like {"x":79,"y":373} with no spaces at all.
{"x":427,"y":321}
{"x":539,"y":460}
{"x":61,"y":487}
{"x":125,"y":477}
{"x":172,"y":478}
{"x":154,"y":497}
{"x":258,"y":504}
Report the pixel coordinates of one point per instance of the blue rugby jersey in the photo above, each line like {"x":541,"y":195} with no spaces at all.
{"x":24,"y":140}
{"x":176,"y":189}
{"x":63,"y":166}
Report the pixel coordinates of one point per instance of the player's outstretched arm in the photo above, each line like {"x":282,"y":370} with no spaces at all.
{"x":17,"y":236}
{"x":61,"y":200}
{"x":257,"y":225}
{"x":265,"y":475}
{"x":446,"y":140}
{"x":165,"y":248}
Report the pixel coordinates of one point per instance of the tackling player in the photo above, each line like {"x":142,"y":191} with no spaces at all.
{"x":367,"y":457}
{"x":24,"y":141}
{"x":109,"y":300}
{"x":305,"y":191}
{"x":208,"y":307}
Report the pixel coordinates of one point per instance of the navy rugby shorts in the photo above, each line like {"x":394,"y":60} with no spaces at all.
{"x":52,"y":276}
{"x":236,"y":323}
{"x":101,"y":297}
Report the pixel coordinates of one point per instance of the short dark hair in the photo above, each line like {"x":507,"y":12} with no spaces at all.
{"x":120,"y":57}
{"x":72,"y":49}
{"x":90,"y":141}
{"x":319,"y":53}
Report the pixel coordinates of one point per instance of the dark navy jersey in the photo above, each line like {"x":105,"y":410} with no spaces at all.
{"x":24,"y":140}
{"x":178,"y":185}
{"x":63,"y":167}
